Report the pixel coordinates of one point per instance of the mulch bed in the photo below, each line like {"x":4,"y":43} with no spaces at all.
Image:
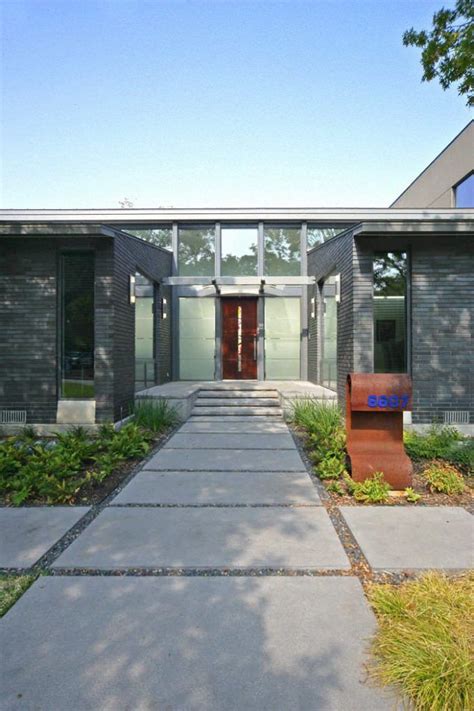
{"x":465,"y":500}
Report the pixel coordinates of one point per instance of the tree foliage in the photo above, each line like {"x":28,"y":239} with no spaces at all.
{"x":448,"y":48}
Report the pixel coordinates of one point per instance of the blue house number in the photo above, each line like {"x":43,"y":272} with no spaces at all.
{"x":388,"y":401}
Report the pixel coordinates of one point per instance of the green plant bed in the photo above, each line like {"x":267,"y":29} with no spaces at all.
{"x":424,"y":643}
{"x":12,"y":587}
{"x":442,"y":443}
{"x":72,"y":467}
{"x":443,"y":478}
{"x":155,"y":414}
{"x":371,"y":491}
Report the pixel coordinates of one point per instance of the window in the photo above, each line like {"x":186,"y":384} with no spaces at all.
{"x":196,"y":251}
{"x":239,"y":251}
{"x":282,"y":251}
{"x":464,"y":192}
{"x":77,"y":332}
{"x":160,"y":236}
{"x":328,"y":355}
{"x":144,"y":333}
{"x":317,"y":234}
{"x":390,"y":321}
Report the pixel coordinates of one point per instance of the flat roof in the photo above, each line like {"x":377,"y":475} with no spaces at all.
{"x":159,"y":216}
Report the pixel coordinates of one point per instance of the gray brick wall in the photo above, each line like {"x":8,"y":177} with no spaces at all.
{"x":28,"y":327}
{"x":29,"y":365}
{"x":335,"y":256}
{"x":130,"y":255}
{"x":442,"y":326}
{"x":29,"y":315}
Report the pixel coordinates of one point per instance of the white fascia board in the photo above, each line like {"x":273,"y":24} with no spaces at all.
{"x":439,"y":226}
{"x":238,"y":214}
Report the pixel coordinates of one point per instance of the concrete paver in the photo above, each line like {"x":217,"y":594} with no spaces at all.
{"x":219,"y":488}
{"x":188,"y":440}
{"x":128,"y":537}
{"x":27,"y":533}
{"x":226,"y":460}
{"x":401,"y":538}
{"x":238,"y":423}
{"x":121,"y":643}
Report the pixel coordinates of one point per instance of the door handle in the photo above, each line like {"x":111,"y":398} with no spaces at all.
{"x":255,"y":347}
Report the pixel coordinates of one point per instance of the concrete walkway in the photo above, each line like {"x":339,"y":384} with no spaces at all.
{"x":229,"y":506}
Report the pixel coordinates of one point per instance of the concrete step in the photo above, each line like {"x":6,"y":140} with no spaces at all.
{"x":246,"y":394}
{"x":218,"y":411}
{"x":236,"y":402}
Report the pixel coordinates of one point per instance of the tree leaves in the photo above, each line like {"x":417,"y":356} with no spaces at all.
{"x":448,"y":49}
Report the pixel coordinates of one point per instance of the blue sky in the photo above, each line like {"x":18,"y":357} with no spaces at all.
{"x":217,"y":103}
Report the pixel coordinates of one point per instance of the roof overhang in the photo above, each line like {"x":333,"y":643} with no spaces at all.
{"x":439,"y":226}
{"x":144,"y":216}
{"x":41,"y":229}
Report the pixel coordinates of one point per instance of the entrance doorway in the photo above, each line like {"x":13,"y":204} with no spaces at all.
{"x":239,"y":339}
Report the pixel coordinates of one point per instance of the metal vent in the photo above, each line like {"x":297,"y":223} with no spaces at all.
{"x":456,"y":417}
{"x":12,"y":417}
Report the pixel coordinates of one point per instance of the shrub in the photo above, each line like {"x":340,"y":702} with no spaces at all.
{"x":461,"y":454}
{"x":411,"y":495}
{"x":156,"y":414}
{"x":129,"y":442}
{"x":335,"y":488}
{"x":54,"y":471}
{"x":424,"y":640}
{"x":443,"y":478}
{"x":374,"y":490}
{"x":434,"y":444}
{"x":349,"y":482}
{"x":323,"y":424}
{"x":331,"y":467}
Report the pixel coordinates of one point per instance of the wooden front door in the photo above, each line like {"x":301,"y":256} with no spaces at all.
{"x":239,"y":339}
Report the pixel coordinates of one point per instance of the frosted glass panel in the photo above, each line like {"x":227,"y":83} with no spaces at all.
{"x":144,"y":328}
{"x":282,"y":338}
{"x":196,"y":338}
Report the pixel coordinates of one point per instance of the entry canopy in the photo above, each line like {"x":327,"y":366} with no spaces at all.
{"x":240,"y":281}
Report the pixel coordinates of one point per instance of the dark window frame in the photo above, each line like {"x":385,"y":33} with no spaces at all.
{"x":60,"y":315}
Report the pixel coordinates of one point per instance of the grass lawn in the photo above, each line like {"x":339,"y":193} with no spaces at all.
{"x":424,"y":644}
{"x":12,"y":587}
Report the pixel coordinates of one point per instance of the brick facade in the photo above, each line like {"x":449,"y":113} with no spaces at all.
{"x":440,"y":322}
{"x":29,"y":347}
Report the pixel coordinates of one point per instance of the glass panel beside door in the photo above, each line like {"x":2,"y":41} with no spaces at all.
{"x":197,"y":338}
{"x":282,"y":338}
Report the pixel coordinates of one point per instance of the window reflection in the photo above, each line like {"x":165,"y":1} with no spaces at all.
{"x":282,"y":251}
{"x":239,"y":251}
{"x":159,"y":236}
{"x":77,"y":307}
{"x":390,"y":278}
{"x":317,"y":234}
{"x":464,"y":192}
{"x":196,"y":251}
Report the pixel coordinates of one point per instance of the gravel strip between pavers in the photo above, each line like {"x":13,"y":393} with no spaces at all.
{"x":204,"y":572}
